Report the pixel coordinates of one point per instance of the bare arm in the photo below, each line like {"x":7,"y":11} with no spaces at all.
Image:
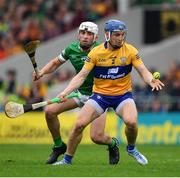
{"x":48,"y":68}
{"x":148,"y":77}
{"x":51,"y":66}
{"x":145,"y":74}
{"x":76,"y":82}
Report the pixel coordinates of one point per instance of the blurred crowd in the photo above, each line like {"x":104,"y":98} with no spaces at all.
{"x":22,"y":21}
{"x":33,"y":92}
{"x":167,"y":100}
{"x":155,"y":2}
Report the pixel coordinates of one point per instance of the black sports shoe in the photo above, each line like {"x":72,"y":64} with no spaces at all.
{"x":56,"y":152}
{"x":114,"y":154}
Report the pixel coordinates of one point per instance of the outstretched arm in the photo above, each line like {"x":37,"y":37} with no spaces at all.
{"x":48,"y":68}
{"x":75,"y":83}
{"x":148,"y":78}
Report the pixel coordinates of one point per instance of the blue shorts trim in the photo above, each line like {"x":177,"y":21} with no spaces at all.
{"x":104,"y":101}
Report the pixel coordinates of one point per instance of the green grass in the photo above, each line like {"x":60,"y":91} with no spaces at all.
{"x":90,"y":160}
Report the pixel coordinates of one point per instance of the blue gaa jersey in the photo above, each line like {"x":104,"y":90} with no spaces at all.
{"x":112,"y":69}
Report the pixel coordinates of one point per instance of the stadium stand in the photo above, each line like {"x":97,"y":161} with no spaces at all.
{"x":44,"y":20}
{"x":153,"y":2}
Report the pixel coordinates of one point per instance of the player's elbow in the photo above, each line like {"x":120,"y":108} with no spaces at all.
{"x":56,"y":62}
{"x":78,"y":81}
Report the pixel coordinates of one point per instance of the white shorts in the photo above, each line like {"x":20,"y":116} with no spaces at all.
{"x":81,"y":101}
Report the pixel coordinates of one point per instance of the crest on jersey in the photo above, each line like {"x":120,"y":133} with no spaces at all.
{"x":113,"y":70}
{"x":137,"y":56}
{"x":123,"y":60}
{"x":86,"y":58}
{"x":98,"y":97}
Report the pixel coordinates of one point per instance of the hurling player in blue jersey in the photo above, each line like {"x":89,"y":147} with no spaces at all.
{"x":112,"y":63}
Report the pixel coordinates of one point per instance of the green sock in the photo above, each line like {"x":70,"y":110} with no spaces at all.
{"x":57,"y":142}
{"x":113,"y":143}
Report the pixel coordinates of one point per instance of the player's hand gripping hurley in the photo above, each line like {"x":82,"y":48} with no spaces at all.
{"x":13,"y":109}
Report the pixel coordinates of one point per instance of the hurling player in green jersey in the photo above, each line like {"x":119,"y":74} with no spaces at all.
{"x":76,"y":52}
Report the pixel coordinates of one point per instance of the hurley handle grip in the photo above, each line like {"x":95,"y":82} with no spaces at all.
{"x":72,"y":95}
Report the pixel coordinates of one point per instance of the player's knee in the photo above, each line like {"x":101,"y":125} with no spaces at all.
{"x":131,"y":125}
{"x":49,"y":112}
{"x":79,"y":127}
{"x":131,"y":122}
{"x":96,"y":137}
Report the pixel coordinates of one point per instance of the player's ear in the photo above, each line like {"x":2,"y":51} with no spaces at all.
{"x":96,"y":38}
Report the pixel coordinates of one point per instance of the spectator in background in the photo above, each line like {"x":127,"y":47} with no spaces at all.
{"x":156,"y":106}
{"x":11,"y":81}
{"x":10,"y":87}
{"x":22,"y":21}
{"x":101,"y":8}
{"x":11,"y":45}
{"x":3,"y":52}
{"x":80,"y":11}
{"x":173,"y":88}
{"x":51,"y":29}
{"x":1,"y":94}
{"x":157,"y":1}
{"x":169,"y":99}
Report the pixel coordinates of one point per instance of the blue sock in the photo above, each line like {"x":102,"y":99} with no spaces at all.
{"x":68,"y":158}
{"x":130,"y":147}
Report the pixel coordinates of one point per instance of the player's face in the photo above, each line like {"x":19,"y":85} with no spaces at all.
{"x":86,"y":39}
{"x":117,"y":39}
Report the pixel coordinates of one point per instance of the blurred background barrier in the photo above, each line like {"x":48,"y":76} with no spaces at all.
{"x":154,"y":128}
{"x":31,"y":128}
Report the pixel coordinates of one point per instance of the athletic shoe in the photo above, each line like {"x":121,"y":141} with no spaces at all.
{"x":56,"y":152}
{"x":62,"y":162}
{"x":114,"y":154}
{"x":141,"y":159}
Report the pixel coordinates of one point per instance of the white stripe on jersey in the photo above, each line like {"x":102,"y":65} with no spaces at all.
{"x":61,"y":58}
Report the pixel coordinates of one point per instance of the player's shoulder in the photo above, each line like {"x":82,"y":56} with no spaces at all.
{"x":73,"y":45}
{"x":97,"y":48}
{"x":131,"y":48}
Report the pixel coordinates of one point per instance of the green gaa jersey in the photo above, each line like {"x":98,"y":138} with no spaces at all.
{"x":76,"y":55}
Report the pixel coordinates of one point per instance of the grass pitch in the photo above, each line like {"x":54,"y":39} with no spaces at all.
{"x":90,"y":160}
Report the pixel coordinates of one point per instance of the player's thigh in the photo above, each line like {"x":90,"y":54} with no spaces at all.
{"x":87,"y":114}
{"x":58,"y":108}
{"x":98,"y":125}
{"x":128,"y":112}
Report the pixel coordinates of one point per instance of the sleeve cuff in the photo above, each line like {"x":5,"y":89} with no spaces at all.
{"x":61,"y":58}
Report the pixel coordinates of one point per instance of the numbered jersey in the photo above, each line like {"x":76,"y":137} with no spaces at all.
{"x":77,"y":57}
{"x":112,"y":69}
